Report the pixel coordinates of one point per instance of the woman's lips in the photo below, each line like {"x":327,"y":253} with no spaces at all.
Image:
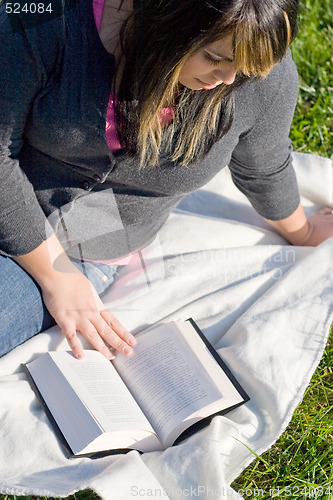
{"x":208,"y":86}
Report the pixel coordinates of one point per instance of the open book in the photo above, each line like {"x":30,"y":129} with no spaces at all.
{"x":173,"y":380}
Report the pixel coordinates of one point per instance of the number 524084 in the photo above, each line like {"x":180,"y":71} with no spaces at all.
{"x":28,"y":8}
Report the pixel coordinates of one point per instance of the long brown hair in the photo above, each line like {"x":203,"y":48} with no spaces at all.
{"x":157,"y":40}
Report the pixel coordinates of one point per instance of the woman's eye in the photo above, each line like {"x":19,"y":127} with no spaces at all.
{"x":214,"y":62}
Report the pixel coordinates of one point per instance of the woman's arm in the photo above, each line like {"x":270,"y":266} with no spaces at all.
{"x":261,"y":164}
{"x":299,"y":230}
{"x":27,"y":58}
{"x":73,"y":302}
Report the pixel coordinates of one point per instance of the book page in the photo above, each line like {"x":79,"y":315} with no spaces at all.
{"x":217,"y":375}
{"x":166,"y":378}
{"x":102,"y":391}
{"x":75,"y":422}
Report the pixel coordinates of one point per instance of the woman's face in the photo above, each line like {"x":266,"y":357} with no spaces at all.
{"x":210,"y":66}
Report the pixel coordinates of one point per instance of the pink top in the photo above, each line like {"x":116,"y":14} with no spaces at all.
{"x":98,"y":6}
{"x":110,"y":129}
{"x":112,"y":139}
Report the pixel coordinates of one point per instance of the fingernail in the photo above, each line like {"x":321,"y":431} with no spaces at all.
{"x":110,"y":356}
{"x":131,"y":341}
{"x":127,"y":350}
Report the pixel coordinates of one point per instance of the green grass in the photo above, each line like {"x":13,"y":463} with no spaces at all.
{"x":312,"y":130}
{"x":300,"y":464}
{"x":301,"y":461}
{"x":82,"y":495}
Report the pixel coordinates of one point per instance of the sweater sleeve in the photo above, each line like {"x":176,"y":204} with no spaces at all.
{"x":261,"y":164}
{"x":27,"y":59}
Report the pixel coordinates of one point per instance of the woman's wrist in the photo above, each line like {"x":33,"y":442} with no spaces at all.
{"x":296,"y":228}
{"x":302,"y":231}
{"x":40,"y":263}
{"x":301,"y":236}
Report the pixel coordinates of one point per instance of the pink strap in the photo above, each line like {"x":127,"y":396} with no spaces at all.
{"x":98,"y":6}
{"x":167,"y":114}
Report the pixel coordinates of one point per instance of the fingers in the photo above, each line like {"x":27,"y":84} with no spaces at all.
{"x":325,"y":211}
{"x":95,"y":338}
{"x":101,"y":331}
{"x":118,"y":328}
{"x":74,"y":343}
{"x":114,"y":333}
{"x":76,"y":307}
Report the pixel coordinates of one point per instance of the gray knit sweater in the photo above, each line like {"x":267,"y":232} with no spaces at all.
{"x":56,"y":168}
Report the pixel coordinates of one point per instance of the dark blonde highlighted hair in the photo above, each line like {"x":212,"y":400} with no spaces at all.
{"x":156,"y":42}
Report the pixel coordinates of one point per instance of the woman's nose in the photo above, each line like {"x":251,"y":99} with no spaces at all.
{"x":227,"y":75}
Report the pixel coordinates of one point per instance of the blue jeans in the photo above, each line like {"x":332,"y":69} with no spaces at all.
{"x":22,"y":311}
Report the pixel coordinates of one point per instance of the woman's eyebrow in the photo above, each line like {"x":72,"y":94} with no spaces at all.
{"x":220,"y":56}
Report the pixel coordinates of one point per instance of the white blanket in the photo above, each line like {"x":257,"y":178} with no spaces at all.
{"x":267,"y":308}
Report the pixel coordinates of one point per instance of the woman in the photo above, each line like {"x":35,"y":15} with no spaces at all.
{"x":102,"y":133}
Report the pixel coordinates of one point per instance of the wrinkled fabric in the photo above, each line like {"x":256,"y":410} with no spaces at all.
{"x":266,"y":307}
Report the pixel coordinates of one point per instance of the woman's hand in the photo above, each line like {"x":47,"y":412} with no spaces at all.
{"x":306,"y":232}
{"x":75,"y":305}
{"x":320,"y":227}
{"x":73,"y":301}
